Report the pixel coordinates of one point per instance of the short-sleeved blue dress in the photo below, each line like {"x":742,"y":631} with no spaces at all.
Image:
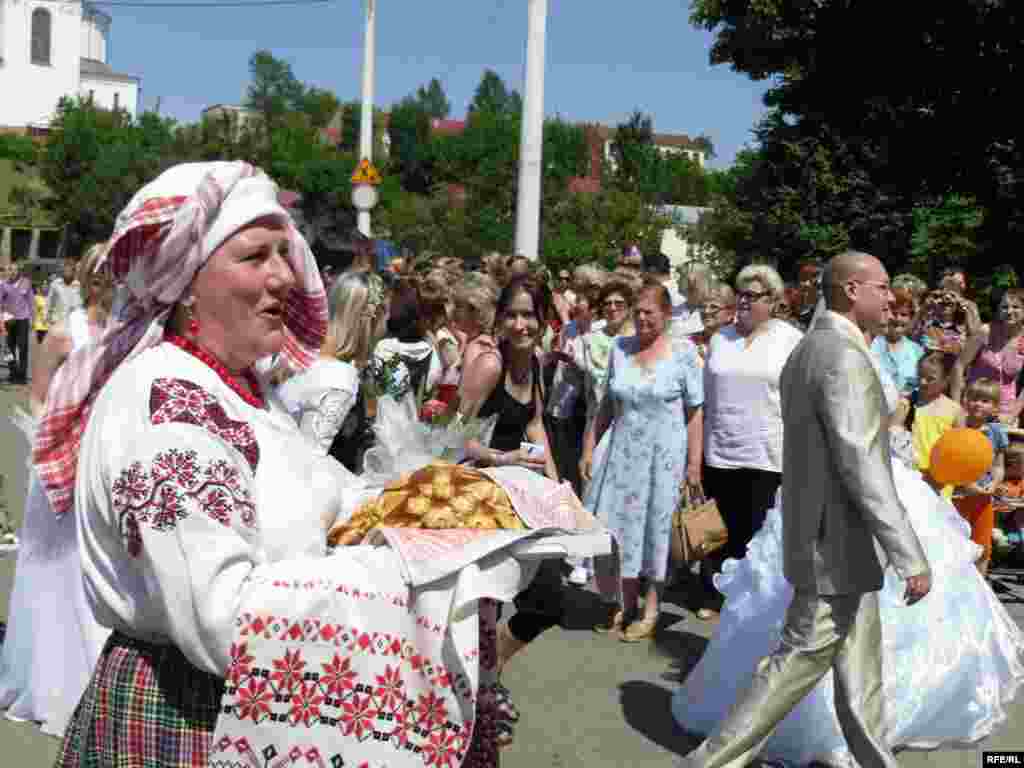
{"x":637,"y":483}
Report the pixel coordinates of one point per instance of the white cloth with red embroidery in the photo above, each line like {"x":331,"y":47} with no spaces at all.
{"x":203,"y":524}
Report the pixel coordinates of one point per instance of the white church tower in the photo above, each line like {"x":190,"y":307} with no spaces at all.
{"x":55,"y":48}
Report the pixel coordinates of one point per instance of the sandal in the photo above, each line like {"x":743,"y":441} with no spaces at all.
{"x":614,"y":623}
{"x":637,"y":631}
{"x":503,"y":703}
{"x":504,"y":735}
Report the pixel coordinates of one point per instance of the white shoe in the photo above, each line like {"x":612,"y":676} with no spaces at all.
{"x":579,"y":576}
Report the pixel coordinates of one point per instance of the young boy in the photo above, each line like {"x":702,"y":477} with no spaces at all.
{"x":974,"y":502}
{"x":1012,"y":487}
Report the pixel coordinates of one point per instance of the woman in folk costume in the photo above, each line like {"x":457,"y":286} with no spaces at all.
{"x":53,"y":640}
{"x":203,"y":516}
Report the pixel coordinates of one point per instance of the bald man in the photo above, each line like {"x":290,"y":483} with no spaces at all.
{"x":839,"y":508}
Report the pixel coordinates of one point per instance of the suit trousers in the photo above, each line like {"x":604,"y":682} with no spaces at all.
{"x":842,"y":633}
{"x":17,"y":342}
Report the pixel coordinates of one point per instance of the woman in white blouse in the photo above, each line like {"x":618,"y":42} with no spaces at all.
{"x":742,"y":415}
{"x":321,"y":397}
{"x":203,"y":516}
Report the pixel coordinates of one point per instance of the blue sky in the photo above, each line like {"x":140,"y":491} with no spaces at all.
{"x":604,"y":59}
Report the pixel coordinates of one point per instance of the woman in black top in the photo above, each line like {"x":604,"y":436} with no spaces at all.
{"x":511,"y":387}
{"x":509,"y":383}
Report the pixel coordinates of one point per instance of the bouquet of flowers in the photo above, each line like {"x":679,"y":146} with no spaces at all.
{"x":405,"y":443}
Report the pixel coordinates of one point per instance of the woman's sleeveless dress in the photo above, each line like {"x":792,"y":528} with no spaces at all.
{"x":53,"y":641}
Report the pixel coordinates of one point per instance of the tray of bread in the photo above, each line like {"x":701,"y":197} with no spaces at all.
{"x":437,"y":496}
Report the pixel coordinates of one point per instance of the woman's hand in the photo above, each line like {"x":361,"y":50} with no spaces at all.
{"x":586,"y":466}
{"x":693,"y":479}
{"x":519,"y":458}
{"x":972,"y":317}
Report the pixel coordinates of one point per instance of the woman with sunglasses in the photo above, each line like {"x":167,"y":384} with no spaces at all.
{"x":614,"y":303}
{"x":743,"y":417}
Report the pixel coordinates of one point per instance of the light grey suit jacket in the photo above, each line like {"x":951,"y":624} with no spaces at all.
{"x":839,"y":497}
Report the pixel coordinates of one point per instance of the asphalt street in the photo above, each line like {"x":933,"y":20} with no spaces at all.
{"x":586,"y":700}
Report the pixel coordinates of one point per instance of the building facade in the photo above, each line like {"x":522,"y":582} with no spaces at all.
{"x":50,"y":49}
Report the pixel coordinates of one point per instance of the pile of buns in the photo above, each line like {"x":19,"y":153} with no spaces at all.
{"x":437,"y":496}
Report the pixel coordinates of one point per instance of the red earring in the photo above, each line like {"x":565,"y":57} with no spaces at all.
{"x":193,"y":323}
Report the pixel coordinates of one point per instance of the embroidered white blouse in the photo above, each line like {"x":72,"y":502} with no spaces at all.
{"x":202,"y":524}
{"x":320,"y":398}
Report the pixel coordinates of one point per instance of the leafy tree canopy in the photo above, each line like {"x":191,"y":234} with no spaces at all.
{"x":433,"y":100}
{"x":892,"y":113}
{"x":493,"y":96}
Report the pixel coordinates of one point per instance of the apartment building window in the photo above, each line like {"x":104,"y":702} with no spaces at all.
{"x":117,"y":101}
{"x":42,"y":25}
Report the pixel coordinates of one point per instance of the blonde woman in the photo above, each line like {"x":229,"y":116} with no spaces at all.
{"x":434,"y":296}
{"x":322,"y":397}
{"x":474,"y":305}
{"x":742,"y":414}
{"x":53,"y":641}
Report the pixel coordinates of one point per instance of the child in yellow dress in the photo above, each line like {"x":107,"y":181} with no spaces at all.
{"x":934,"y":413}
{"x":39,"y":324}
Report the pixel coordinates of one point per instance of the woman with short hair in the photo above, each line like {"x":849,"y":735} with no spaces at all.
{"x":743,"y":413}
{"x":652,"y":412}
{"x":717,"y":311}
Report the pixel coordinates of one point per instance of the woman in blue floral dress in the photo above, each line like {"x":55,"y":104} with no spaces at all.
{"x":653,"y":407}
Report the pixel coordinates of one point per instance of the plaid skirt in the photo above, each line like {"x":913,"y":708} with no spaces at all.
{"x":146,"y":706}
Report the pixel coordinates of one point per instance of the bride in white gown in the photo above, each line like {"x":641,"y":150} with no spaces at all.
{"x":952,"y":663}
{"x":53,"y":640}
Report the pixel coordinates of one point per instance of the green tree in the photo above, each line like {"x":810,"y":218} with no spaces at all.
{"x":922,"y":115}
{"x":945,"y":235}
{"x":93,"y":161}
{"x":587,"y":227}
{"x":632,"y":149}
{"x":410,"y":152}
{"x":320,"y":106}
{"x":492,"y":95}
{"x":273,"y":88}
{"x":433,"y":100}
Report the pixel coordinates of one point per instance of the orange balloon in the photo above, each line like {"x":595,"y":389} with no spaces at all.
{"x":961,"y":457}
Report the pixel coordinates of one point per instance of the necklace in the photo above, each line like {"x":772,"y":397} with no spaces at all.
{"x":253,"y":396}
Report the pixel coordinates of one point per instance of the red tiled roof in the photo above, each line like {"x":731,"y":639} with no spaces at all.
{"x":448,"y":127}
{"x":660,"y":139}
{"x":587,"y":184}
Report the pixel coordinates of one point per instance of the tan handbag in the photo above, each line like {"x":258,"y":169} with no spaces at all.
{"x":697,"y":529}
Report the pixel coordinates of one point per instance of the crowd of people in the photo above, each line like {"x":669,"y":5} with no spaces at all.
{"x":200,"y":373}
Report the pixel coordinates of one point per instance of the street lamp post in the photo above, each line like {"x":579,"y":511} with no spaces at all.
{"x":366,"y":118}
{"x":532,"y":135}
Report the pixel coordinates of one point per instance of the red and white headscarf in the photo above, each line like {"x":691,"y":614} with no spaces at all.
{"x":161,"y":240}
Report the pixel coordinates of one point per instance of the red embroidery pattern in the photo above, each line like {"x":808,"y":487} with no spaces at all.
{"x":358,"y":705}
{"x":348,"y":639}
{"x":175,"y":484}
{"x":177,"y":400}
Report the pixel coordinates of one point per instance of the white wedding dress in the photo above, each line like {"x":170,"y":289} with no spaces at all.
{"x":53,"y":640}
{"x":951,"y":663}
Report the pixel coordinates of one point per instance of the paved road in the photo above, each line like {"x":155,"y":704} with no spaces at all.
{"x":587,"y":700}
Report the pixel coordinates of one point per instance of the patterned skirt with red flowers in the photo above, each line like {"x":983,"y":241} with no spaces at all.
{"x":146,"y":705}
